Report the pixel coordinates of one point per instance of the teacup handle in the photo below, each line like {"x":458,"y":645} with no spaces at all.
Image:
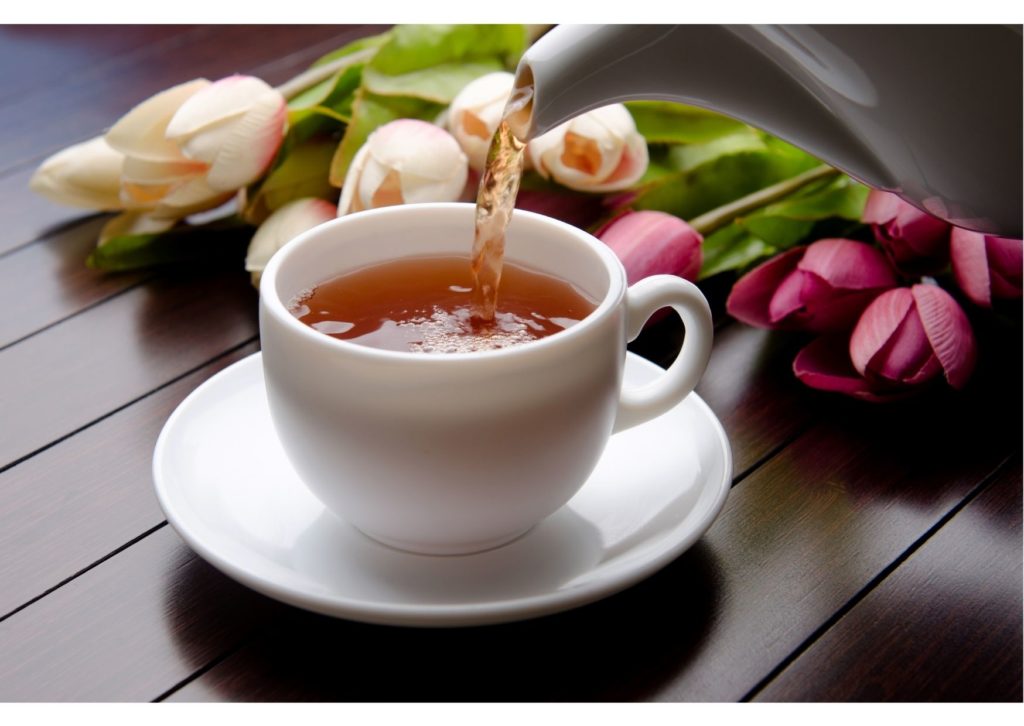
{"x":639,"y":404}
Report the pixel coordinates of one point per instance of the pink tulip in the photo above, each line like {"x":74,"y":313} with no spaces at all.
{"x":914,"y":240}
{"x":653,"y":243}
{"x":819,"y":288}
{"x":986,"y":266}
{"x":906,"y":338}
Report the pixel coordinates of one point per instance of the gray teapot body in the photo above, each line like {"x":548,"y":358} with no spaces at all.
{"x":932,"y":113}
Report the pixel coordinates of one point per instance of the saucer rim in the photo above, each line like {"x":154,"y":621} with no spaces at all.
{"x":438,"y":615}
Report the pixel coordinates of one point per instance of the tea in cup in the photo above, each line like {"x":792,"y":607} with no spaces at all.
{"x":427,"y":442}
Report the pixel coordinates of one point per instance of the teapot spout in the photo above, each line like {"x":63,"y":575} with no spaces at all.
{"x":932,"y":113}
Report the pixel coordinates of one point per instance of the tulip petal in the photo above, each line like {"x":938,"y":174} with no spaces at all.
{"x":188,"y":198}
{"x":1005,"y":264}
{"x":752,"y":293}
{"x":824,"y":364}
{"x":251,"y":146}
{"x":948,"y":331}
{"x":848,"y":264}
{"x":476,"y":113}
{"x":907,"y":356}
{"x":147,"y":172}
{"x":970,"y":265}
{"x":350,"y":201}
{"x":631,"y":168}
{"x":227,"y":98}
{"x":86,"y":175}
{"x":877,"y":324}
{"x":653,"y":243}
{"x":417,"y":191}
{"x":579,"y":210}
{"x":881,"y":207}
{"x":141,"y":132}
{"x":282,"y":226}
{"x":788,"y":297}
{"x":417,"y":148}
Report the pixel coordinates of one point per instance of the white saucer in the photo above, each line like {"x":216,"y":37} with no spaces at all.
{"x":228,"y":489}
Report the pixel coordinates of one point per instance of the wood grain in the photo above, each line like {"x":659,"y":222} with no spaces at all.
{"x":137,"y":628}
{"x":940,"y":628}
{"x":799,"y":537}
{"x":82,"y":499}
{"x":85,"y":367}
{"x":39,"y":58}
{"x":44,"y":283}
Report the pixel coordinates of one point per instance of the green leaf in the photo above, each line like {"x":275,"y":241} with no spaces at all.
{"x":220,"y":241}
{"x":414,"y":47}
{"x":372,"y":41}
{"x":368,"y":112}
{"x":689,"y":157}
{"x":708,"y":181}
{"x":664,"y":122}
{"x":332,"y":97}
{"x":303,"y":173}
{"x":782,"y":225}
{"x":440,"y":83}
{"x":840,"y":197}
{"x":732,"y":248}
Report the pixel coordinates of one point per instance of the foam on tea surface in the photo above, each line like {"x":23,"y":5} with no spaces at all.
{"x":425,"y":305}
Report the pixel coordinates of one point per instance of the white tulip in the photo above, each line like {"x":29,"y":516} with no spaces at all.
{"x":404,"y":162}
{"x":281,"y":227}
{"x":192,"y":146}
{"x":475,"y":113}
{"x":85,"y":175}
{"x":598,"y":151}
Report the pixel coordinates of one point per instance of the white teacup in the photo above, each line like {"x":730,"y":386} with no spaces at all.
{"x":460,"y":452}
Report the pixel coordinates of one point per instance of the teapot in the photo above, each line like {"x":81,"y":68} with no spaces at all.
{"x":931,"y":113}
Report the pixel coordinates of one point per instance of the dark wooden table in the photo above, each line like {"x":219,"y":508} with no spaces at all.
{"x":865,"y":553}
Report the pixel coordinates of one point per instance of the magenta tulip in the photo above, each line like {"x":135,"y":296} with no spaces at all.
{"x":986,"y":266}
{"x":819,"y":288}
{"x":914,"y":240}
{"x":904,"y":339}
{"x":653,"y":243}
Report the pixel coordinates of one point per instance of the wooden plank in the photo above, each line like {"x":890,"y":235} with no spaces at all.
{"x":97,"y":485}
{"x":798,"y":538}
{"x":43,"y":283}
{"x":38,"y":58}
{"x":27,"y":216}
{"x":35,"y":125}
{"x":140,"y":621}
{"x":964,"y":583}
{"x":156,"y":670}
{"x":85,"y":367}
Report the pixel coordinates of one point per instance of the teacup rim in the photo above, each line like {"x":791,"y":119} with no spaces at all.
{"x":271,"y":302}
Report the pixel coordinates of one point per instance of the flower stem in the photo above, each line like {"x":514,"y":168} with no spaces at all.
{"x":309,"y":78}
{"x":721,"y":216}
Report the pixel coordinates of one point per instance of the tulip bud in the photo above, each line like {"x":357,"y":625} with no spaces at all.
{"x":986,"y":266}
{"x":284,"y":225}
{"x":908,"y":336}
{"x":86,"y":175}
{"x":653,"y":243}
{"x":404,"y":162}
{"x":475,"y":113}
{"x":192,"y":146}
{"x":598,"y":151}
{"x":819,"y":288}
{"x":914,"y":240}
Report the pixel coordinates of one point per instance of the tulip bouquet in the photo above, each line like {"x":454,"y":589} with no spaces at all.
{"x":234,"y":169}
